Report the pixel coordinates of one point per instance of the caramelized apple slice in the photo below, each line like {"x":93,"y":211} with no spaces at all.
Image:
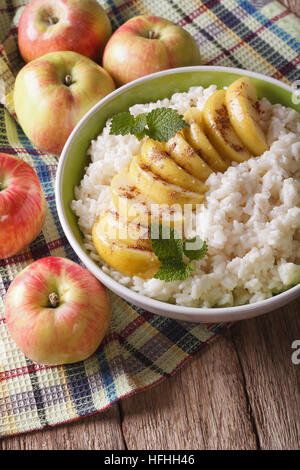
{"x":220,"y":131}
{"x":196,"y":137}
{"x":118,"y":228}
{"x":128,"y":260}
{"x":186,"y":157}
{"x":131,"y":203}
{"x":158,"y":189}
{"x":243,"y":110}
{"x":160,"y":163}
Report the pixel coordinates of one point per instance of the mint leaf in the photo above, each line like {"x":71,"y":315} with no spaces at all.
{"x":163,"y":123}
{"x":166,"y":248}
{"x":139,"y":126}
{"x":159,"y":124}
{"x":122,"y":124}
{"x":169,"y":249}
{"x":125,"y":123}
{"x":174,"y":270}
{"x":195,"y":248}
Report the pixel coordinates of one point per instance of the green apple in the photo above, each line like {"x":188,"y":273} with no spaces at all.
{"x":52,"y":93}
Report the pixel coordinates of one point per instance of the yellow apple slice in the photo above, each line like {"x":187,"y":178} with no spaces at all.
{"x":160,"y":163}
{"x":196,"y":137}
{"x":243,"y":110}
{"x":220,"y":131}
{"x":132,"y":204}
{"x":128,"y":199}
{"x":193,"y":114}
{"x":158,"y":189}
{"x":186,"y":157}
{"x":115,"y":227}
{"x":128,"y":260}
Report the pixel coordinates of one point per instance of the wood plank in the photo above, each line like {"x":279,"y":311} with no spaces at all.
{"x":100,"y":432}
{"x":203,"y":406}
{"x":272,"y":380}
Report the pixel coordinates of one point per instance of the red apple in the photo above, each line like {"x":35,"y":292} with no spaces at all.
{"x":63,"y":25}
{"x":22,"y":205}
{"x":148,"y":44}
{"x":53,"y":92}
{"x":56,"y":311}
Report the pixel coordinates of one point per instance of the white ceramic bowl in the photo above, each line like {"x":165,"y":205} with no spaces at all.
{"x":73,"y":160}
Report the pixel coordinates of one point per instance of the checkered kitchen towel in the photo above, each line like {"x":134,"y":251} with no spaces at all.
{"x":140,"y":349}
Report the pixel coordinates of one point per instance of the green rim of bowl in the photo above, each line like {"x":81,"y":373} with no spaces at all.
{"x":74,"y":159}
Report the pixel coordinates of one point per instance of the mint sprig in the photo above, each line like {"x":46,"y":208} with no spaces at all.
{"x":159,"y":124}
{"x":195,"y":248}
{"x":174,"y":270}
{"x":170,"y":253}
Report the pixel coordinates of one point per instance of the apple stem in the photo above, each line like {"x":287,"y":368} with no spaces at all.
{"x":151,"y":34}
{"x":54,"y":300}
{"x":68,"y":80}
{"x":53,"y":20}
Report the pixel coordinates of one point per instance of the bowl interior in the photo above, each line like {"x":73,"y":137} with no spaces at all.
{"x":158,"y":88}
{"x":75,"y":159}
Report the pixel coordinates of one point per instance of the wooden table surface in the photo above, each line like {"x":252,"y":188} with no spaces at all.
{"x":240,"y":392}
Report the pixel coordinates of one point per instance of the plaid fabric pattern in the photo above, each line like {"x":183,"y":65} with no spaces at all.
{"x":140,"y":348}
